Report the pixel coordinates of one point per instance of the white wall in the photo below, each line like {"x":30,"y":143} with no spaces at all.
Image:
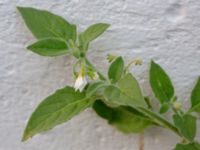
{"x":166,"y":31}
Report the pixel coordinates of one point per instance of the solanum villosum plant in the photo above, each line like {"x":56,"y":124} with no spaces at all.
{"x":116,"y":97}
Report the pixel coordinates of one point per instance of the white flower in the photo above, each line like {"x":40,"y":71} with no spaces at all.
{"x":80,"y":82}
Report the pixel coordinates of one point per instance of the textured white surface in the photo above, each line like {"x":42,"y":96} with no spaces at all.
{"x":167,"y":31}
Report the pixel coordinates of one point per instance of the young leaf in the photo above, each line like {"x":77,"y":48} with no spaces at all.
{"x":190,"y":146}
{"x":129,"y":86}
{"x":125,"y":119}
{"x":44,"y":24}
{"x":195,"y":97}
{"x":164,"y":108}
{"x":161,"y":83}
{"x":49,"y":47}
{"x":116,"y":69}
{"x":91,"y":33}
{"x":186,"y":125}
{"x":56,"y":109}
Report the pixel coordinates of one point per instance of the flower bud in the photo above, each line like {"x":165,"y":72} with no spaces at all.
{"x":110,"y":57}
{"x":177,"y":105}
{"x":137,"y":62}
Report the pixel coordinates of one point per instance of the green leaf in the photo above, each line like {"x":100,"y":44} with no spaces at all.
{"x":114,"y":96}
{"x":186,"y":125}
{"x":129,"y":86}
{"x":124,"y":119}
{"x":56,"y":109}
{"x":161,"y":83}
{"x":128,"y":120}
{"x":49,"y":47}
{"x":127,"y":92}
{"x":94,"y":87}
{"x":190,"y":146}
{"x":91,"y":33}
{"x":116,"y":69}
{"x":103,"y":110}
{"x":44,"y":24}
{"x":164,"y":108}
{"x":195,"y":97}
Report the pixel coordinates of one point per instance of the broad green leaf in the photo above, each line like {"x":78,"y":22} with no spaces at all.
{"x":49,"y":47}
{"x":127,"y":92}
{"x":44,"y":24}
{"x":129,"y":86}
{"x":161,"y":83}
{"x":103,"y":110}
{"x":94,"y":87}
{"x":115,"y":96}
{"x":190,"y":146}
{"x":195,"y":97}
{"x":91,"y":33}
{"x":116,"y":69}
{"x":186,"y":125}
{"x":124,"y":119}
{"x":129,"y":120}
{"x":56,"y":109}
{"x":197,"y":145}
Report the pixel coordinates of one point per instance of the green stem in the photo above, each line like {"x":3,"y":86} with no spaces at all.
{"x":101,"y":76}
{"x":160,"y":120}
{"x":148,"y":102}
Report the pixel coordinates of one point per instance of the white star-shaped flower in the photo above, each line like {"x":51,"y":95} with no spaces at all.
{"x":80,"y":82}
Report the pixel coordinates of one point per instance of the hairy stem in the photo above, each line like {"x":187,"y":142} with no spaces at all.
{"x":160,"y":120}
{"x":101,"y":76}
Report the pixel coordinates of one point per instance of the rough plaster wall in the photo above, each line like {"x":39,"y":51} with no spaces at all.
{"x":167,"y":31}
